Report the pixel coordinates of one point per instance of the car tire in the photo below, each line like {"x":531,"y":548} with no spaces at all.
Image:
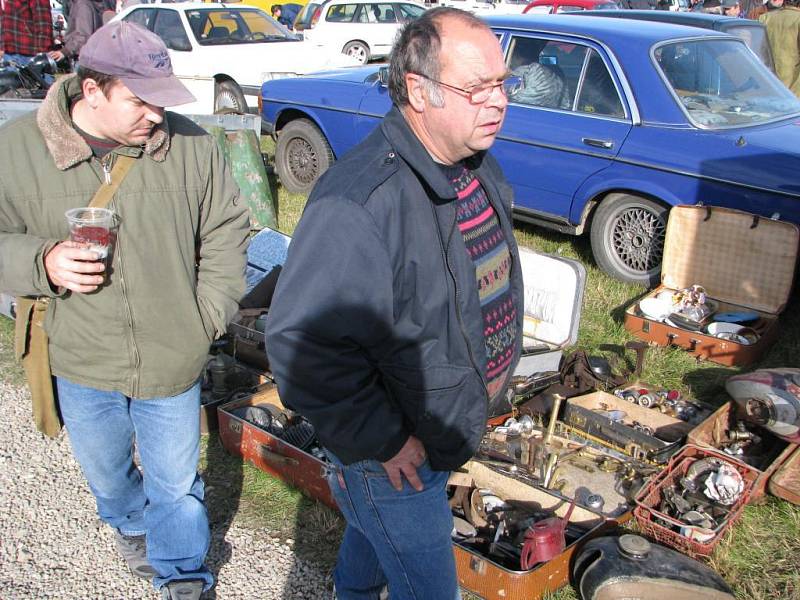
{"x":302,"y":154}
{"x":228,"y":98}
{"x":358,"y":50}
{"x":627,"y":236}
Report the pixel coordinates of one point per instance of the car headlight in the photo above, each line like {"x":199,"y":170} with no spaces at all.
{"x":270,"y":75}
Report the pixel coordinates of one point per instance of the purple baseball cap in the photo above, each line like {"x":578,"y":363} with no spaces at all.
{"x":139,"y":59}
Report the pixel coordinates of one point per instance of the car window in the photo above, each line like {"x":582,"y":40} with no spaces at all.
{"x":720,"y":83}
{"x":549,"y":69}
{"x":219,"y":26}
{"x":755,"y":38}
{"x":341,"y":13}
{"x":567,"y":8}
{"x":607,"y":6}
{"x":409,"y":12}
{"x":141,"y":16}
{"x":169,"y":28}
{"x":380,"y":13}
{"x":542,"y":9}
{"x":598,"y":95}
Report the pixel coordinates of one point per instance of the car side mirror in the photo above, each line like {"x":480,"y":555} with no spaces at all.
{"x":383,"y":76}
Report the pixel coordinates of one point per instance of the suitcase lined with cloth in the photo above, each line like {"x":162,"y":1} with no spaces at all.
{"x":745,"y":265}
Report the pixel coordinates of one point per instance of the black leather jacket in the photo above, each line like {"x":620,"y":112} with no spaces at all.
{"x":375,"y":330}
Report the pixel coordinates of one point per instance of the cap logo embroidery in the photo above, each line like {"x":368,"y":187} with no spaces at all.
{"x":160,"y":60}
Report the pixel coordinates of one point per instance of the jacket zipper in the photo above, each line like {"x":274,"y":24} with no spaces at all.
{"x":446,"y":256}
{"x":107,"y":164}
{"x":129,"y":315}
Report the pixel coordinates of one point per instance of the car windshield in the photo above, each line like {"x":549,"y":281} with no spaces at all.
{"x":720,"y":83}
{"x":212,"y":27}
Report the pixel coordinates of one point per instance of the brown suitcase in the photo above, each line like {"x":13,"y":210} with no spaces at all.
{"x":785,"y":482}
{"x":269,"y":453}
{"x":743,"y":261}
{"x":767,"y":457}
{"x":492,"y":581}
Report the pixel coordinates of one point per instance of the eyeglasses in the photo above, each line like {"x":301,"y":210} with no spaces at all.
{"x":481,"y":93}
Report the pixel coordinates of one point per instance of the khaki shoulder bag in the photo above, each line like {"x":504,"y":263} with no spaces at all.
{"x":30,"y":338}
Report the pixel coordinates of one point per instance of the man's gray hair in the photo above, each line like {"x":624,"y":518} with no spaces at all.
{"x":416,"y":50}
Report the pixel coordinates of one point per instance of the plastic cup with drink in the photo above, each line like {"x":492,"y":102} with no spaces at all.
{"x":93,"y":226}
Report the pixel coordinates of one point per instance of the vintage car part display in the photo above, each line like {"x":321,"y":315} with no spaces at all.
{"x":719,"y":260}
{"x":542,"y":451}
{"x":503,"y":510}
{"x":692,"y":503}
{"x":629,"y":566}
{"x":641,"y":433}
{"x":728,"y":431}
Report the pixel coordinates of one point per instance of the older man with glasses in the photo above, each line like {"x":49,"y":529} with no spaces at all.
{"x":398,"y":314}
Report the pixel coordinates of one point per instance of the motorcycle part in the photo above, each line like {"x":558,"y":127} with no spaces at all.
{"x":771,"y":399}
{"x":613,"y":568}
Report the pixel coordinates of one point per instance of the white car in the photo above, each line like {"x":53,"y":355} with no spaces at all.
{"x":363,"y":29}
{"x":223,"y":54}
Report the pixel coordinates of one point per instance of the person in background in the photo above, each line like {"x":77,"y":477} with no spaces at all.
{"x":712,"y":7}
{"x":731,"y":8}
{"x":783,"y":33}
{"x":26,"y":27}
{"x":85,"y":17}
{"x":276,"y":11}
{"x":128,"y":341}
{"x":763,"y":8}
{"x":397,"y":317}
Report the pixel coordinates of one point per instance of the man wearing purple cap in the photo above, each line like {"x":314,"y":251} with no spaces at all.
{"x":129,"y":339}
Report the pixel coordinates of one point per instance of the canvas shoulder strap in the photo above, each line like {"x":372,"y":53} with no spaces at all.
{"x":122,"y":164}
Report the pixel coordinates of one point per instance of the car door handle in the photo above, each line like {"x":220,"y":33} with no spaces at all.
{"x":605,"y":144}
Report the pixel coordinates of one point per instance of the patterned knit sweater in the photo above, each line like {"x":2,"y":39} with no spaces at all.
{"x":488,"y":249}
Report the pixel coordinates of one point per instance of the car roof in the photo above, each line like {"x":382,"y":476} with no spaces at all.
{"x":695,"y":19}
{"x":645,"y":33}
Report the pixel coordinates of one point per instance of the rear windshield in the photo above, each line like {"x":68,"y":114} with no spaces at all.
{"x":720,"y":83}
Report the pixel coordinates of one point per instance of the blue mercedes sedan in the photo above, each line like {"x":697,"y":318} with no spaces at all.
{"x":616,"y":123}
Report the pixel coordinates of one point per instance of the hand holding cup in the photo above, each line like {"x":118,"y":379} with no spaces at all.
{"x":78,"y":264}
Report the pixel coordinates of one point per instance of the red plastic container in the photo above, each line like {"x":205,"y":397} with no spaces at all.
{"x":653,"y":522}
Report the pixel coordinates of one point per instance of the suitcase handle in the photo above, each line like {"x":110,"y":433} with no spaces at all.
{"x":275,"y":458}
{"x":672,"y":339}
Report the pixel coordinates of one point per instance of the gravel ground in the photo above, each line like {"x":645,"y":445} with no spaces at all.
{"x":52,"y":545}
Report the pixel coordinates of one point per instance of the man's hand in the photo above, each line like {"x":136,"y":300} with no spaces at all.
{"x":56,"y":55}
{"x":70,"y":265}
{"x":405,"y":462}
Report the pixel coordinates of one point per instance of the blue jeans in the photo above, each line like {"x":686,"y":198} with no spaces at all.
{"x":166,"y":503}
{"x":400,"y":539}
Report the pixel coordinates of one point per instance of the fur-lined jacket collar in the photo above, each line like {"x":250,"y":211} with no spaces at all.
{"x":66,"y":145}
